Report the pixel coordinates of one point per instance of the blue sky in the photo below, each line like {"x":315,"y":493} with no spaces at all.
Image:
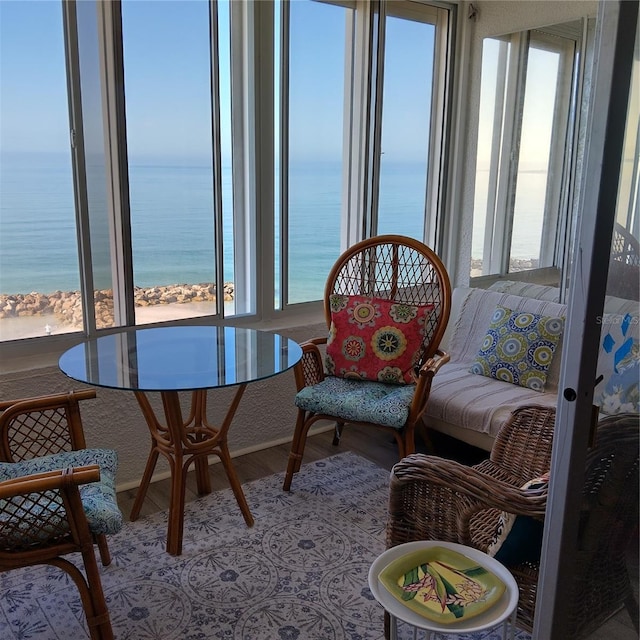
{"x":33,"y":93}
{"x":166,"y":53}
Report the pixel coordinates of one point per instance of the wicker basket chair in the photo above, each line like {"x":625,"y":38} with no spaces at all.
{"x":436,"y":499}
{"x":56,"y":496}
{"x":624,"y":265}
{"x":388,"y":268}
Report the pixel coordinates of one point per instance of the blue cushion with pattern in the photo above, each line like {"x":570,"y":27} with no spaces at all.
{"x":98,"y":498}
{"x":359,"y":400}
{"x":518,"y":347}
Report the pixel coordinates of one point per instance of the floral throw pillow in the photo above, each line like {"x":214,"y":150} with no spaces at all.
{"x":375,"y":339}
{"x":518,"y":347}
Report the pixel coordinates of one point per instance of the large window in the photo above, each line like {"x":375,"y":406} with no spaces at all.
{"x":524,"y":154}
{"x":39,"y":270}
{"x":167,"y":74}
{"x":406,"y":120}
{"x":316,"y":160}
{"x":363,"y":102}
{"x":168,"y":160}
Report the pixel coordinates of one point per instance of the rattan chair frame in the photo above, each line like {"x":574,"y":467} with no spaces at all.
{"x":432,"y":498}
{"x":34,"y":427}
{"x":390,"y":267}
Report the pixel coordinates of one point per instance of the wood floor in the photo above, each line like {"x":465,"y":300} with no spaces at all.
{"x":377,"y":446}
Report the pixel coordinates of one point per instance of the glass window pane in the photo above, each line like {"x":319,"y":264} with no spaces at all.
{"x":494,"y":53}
{"x":316,"y":101}
{"x":534,"y":158}
{"x":39,"y":272}
{"x":100,"y":221}
{"x":524,"y":154}
{"x":168,"y":112}
{"x":405,"y":126}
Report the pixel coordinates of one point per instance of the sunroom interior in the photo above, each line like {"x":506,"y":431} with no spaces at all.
{"x":258,"y":140}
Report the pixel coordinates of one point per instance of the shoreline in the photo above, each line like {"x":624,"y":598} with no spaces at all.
{"x":37,"y":314}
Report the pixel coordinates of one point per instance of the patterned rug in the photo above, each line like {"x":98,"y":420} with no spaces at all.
{"x":299,"y":574}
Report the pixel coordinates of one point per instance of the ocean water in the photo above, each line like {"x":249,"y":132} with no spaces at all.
{"x":172,"y":223}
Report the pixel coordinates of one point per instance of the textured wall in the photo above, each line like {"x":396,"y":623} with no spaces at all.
{"x":266,"y":414}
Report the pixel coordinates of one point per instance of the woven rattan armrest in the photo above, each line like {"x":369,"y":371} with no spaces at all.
{"x":48,"y":481}
{"x":486,"y":491}
{"x":310,"y":369}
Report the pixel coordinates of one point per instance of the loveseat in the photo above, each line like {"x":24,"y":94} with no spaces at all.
{"x":473,"y":407}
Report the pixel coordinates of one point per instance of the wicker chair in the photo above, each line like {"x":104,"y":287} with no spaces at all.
{"x":392,"y":269}
{"x":624,"y":265}
{"x":56,"y":496}
{"x":436,"y":499}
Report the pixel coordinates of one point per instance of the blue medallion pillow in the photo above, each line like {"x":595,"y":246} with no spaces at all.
{"x":518,"y":347}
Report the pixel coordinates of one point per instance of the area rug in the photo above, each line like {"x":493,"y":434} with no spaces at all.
{"x":300,"y":573}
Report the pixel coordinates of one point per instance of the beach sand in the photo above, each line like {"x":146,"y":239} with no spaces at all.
{"x":42,"y":325}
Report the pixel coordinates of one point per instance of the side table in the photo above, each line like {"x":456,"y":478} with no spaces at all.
{"x":501,"y":613}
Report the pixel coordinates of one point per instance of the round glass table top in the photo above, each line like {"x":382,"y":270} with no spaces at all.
{"x":180,"y":358}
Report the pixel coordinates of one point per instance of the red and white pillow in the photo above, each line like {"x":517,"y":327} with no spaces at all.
{"x":375,"y":339}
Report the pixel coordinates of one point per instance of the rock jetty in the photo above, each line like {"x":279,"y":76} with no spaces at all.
{"x":66,"y":306}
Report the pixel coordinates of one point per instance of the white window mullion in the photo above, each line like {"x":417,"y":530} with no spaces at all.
{"x":437,"y":131}
{"x":559,"y":157}
{"x":358,"y":87}
{"x":214,"y":48}
{"x":243,"y":152}
{"x":510,"y":153}
{"x":110,"y":23}
{"x":79,"y":169}
{"x":494,"y":163}
{"x":263,"y":251}
{"x":284,"y":141}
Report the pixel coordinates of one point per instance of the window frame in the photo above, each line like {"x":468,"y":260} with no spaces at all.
{"x":253,"y":158}
{"x":505,"y":154}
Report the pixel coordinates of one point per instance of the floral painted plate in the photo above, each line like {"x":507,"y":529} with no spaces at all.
{"x":441,"y":584}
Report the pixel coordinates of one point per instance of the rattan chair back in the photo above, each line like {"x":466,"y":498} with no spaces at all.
{"x":393,"y":268}
{"x":399,"y":269}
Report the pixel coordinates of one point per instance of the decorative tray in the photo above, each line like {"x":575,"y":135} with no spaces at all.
{"x":441,"y":584}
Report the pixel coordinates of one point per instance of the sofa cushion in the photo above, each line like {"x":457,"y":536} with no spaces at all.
{"x":527,"y":290}
{"x":375,"y":339}
{"x":518,"y":347}
{"x":477,"y":403}
{"x":474,"y":313}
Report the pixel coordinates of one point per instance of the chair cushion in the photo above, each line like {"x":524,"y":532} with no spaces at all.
{"x":98,"y":498}
{"x":518,"y":347}
{"x":375,"y":339}
{"x":518,"y":539}
{"x":359,"y":400}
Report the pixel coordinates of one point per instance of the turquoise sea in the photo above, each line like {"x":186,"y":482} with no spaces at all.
{"x":172,"y":223}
